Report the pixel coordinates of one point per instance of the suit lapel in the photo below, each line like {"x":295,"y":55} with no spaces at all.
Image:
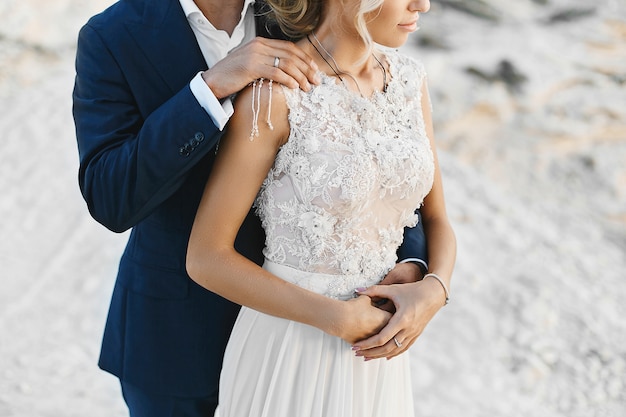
{"x":166,"y":39}
{"x":163,"y":33}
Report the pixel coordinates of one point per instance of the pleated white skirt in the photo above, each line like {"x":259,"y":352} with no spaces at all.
{"x":279,"y":368}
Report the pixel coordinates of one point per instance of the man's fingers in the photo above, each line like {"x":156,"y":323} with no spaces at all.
{"x":298,"y":70}
{"x":277,"y":60}
{"x":287,"y":48}
{"x":292,"y":61}
{"x":289,"y":73}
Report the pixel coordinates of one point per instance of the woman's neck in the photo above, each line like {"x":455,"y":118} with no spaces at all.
{"x":346,"y":57}
{"x":347,"y":50}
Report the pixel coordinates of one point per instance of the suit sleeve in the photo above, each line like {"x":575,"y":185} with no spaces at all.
{"x":132,"y":156}
{"x":414,"y":245}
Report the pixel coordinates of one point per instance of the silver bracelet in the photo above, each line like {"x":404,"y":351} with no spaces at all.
{"x":445,"y":289}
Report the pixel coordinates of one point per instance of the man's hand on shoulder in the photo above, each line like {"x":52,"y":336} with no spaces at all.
{"x":278,"y":60}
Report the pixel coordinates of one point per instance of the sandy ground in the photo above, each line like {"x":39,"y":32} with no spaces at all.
{"x":536,"y":186}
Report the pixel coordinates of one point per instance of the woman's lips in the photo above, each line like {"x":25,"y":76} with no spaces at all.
{"x":411,"y":26}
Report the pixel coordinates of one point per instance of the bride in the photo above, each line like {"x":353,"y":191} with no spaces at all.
{"x":335,"y":174}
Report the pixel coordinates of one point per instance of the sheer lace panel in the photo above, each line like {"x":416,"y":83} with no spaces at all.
{"x":350,"y":177}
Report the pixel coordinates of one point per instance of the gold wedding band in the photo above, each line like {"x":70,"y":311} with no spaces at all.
{"x":276,"y":61}
{"x":398,"y":344}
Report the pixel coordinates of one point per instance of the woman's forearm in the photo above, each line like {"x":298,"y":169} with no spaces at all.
{"x":229,"y":274}
{"x":232,"y":276}
{"x":441,"y":247}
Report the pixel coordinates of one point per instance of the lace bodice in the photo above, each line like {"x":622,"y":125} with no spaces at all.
{"x":349,"y":178}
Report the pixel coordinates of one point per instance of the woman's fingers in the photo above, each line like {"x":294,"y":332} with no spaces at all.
{"x":361,"y":320}
{"x":415,"y":307}
{"x":383,"y":344}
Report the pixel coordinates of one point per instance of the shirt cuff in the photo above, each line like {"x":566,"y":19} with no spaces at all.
{"x":421,"y":263}
{"x":220,"y":112}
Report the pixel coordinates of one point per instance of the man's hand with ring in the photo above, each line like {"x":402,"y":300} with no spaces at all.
{"x":278,"y":60}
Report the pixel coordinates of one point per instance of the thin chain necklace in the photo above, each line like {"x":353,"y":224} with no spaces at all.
{"x":336,"y":68}
{"x":382,"y":67}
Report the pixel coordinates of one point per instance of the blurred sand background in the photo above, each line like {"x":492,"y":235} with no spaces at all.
{"x":529,"y":101}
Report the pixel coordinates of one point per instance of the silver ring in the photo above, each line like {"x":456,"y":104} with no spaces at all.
{"x":398,"y":344}
{"x":276,"y":61}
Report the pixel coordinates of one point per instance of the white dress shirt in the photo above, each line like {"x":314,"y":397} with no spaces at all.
{"x":215,"y":44}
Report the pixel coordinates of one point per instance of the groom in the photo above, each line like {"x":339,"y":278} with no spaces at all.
{"x":148,"y":117}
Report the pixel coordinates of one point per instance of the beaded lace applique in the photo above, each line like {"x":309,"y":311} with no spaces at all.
{"x":349,"y":178}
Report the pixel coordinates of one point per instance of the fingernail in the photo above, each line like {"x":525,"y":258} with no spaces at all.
{"x":317,"y":79}
{"x":355,"y":348}
{"x":360,"y":289}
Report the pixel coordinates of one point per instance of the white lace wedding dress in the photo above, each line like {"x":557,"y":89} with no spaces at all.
{"x":334,"y":206}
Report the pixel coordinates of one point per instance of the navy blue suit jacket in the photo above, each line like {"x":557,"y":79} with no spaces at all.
{"x":146,"y":148}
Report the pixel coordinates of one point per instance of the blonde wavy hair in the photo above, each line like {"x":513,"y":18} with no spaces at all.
{"x":298,"y":18}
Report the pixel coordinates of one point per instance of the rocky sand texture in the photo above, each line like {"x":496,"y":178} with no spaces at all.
{"x":529,"y":101}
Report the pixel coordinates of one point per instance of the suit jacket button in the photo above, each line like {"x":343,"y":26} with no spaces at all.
{"x":199,"y":136}
{"x":194,"y":142}
{"x":183,"y":151}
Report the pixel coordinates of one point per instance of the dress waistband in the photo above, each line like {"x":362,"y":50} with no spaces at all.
{"x":338,"y":286}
